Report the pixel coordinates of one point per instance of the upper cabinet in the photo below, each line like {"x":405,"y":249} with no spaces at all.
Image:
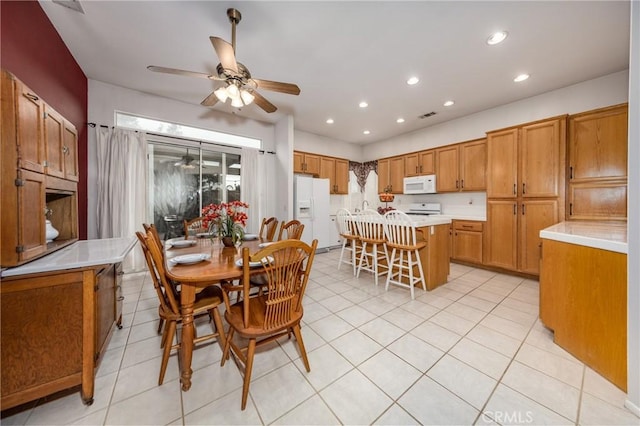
{"x":598,"y":164}
{"x":332,"y":168}
{"x":419,"y":163}
{"x":391,"y":174}
{"x":28,"y":111}
{"x":337,"y":171}
{"x":39,"y":174}
{"x":461,"y":167}
{"x":304,"y":162}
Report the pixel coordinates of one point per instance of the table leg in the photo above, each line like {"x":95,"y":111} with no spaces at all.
{"x":187,"y":299}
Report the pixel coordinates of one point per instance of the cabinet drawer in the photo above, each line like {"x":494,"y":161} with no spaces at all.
{"x":464,"y":225}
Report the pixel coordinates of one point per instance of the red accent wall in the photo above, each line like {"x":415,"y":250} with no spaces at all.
{"x":31,"y":49}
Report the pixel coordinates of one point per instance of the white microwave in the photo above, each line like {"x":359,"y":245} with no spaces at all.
{"x":419,"y":184}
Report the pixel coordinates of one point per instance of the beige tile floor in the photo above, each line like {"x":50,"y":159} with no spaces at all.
{"x":470,"y":352}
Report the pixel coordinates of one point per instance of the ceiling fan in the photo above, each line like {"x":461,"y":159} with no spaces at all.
{"x":238,"y":86}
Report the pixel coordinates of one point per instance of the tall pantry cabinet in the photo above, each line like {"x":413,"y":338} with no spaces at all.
{"x":525,"y":191}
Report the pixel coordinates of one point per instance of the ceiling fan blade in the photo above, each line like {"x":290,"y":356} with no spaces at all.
{"x":181,"y":72}
{"x":225,"y":53}
{"x":276,"y":86}
{"x":210,"y":100}
{"x":263,"y":103}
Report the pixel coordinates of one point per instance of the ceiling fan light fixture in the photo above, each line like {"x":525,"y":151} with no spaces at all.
{"x":221,"y":94}
{"x":236,"y":102}
{"x":247,"y":97}
{"x":233,"y":91}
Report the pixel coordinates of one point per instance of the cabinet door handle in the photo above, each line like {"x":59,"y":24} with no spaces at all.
{"x":571,"y":172}
{"x":417,"y":171}
{"x":420,"y":168}
{"x":570,"y":209}
{"x":514,"y":208}
{"x":65,"y":150}
{"x":523,"y":209}
{"x":514,"y":189}
{"x":457,"y":184}
{"x":120,"y":299}
{"x":32,"y":96}
{"x":467,"y":226}
{"x":462,"y":184}
{"x":523,"y":188}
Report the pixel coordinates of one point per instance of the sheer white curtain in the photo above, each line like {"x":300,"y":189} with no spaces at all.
{"x":122,"y":187}
{"x":252,"y":180}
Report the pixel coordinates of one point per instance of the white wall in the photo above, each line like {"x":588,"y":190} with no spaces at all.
{"x":105,"y":99}
{"x":322,"y":145}
{"x":633,"y":266}
{"x":281,"y":194}
{"x":604,"y":91}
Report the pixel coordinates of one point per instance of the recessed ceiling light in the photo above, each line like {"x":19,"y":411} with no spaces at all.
{"x":449,"y":103}
{"x":366,"y":132}
{"x":400,"y":120}
{"x":363,"y":104}
{"x":521,"y":77}
{"x":329,"y":120}
{"x":412,"y":81}
{"x":497,"y":37}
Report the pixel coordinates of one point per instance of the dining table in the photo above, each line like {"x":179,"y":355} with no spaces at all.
{"x":220,"y":264}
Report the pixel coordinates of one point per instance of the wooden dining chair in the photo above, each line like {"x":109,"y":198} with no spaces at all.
{"x":206,"y":302}
{"x":268,"y":229}
{"x":348,"y":231}
{"x":276,"y":312}
{"x":400,"y":232}
{"x":193,"y":227}
{"x":373,"y":253}
{"x":291,"y":230}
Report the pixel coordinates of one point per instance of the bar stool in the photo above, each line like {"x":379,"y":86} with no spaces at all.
{"x":348,"y":231}
{"x":371,"y":231}
{"x":400,"y":232}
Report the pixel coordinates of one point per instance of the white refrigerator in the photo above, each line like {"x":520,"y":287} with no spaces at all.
{"x":311,"y":207}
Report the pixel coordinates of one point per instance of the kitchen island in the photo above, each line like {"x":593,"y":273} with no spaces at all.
{"x":583,"y":293}
{"x":58,"y":313}
{"x":435,"y":255}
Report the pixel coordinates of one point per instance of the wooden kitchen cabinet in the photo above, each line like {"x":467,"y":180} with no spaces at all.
{"x":525,"y":191}
{"x":598,"y":164}
{"x":35,"y":175}
{"x":447,"y":164}
{"x":54,"y":330}
{"x":419,"y":163}
{"x":583,"y":299}
{"x":54,"y":142}
{"x":337,"y":171}
{"x":22,"y":117}
{"x":391,"y":174}
{"x":462,"y":167}
{"x":467,"y":240}
{"x":304,"y":162}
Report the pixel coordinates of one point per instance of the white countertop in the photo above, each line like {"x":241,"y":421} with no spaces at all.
{"x":611,"y":236}
{"x":80,"y":254}
{"x":430,"y":220}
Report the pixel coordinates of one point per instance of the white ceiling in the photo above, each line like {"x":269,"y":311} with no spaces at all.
{"x":340,"y":53}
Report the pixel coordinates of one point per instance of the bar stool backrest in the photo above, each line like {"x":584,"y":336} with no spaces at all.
{"x":399,"y":229}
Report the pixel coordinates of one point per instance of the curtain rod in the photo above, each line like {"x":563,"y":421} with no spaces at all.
{"x":261,"y":151}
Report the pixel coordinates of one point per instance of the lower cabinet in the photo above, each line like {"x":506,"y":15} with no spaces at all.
{"x":583,"y":299}
{"x":55,"y":327}
{"x":434,"y":259}
{"x":466,"y":241}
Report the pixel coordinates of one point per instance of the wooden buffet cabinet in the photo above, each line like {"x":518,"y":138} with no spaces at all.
{"x":55,"y":328}
{"x":39,"y":170}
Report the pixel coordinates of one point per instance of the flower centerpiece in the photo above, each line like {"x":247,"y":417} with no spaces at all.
{"x":226,"y":220}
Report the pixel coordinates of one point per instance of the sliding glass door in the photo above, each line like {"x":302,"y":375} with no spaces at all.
{"x":182,"y":179}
